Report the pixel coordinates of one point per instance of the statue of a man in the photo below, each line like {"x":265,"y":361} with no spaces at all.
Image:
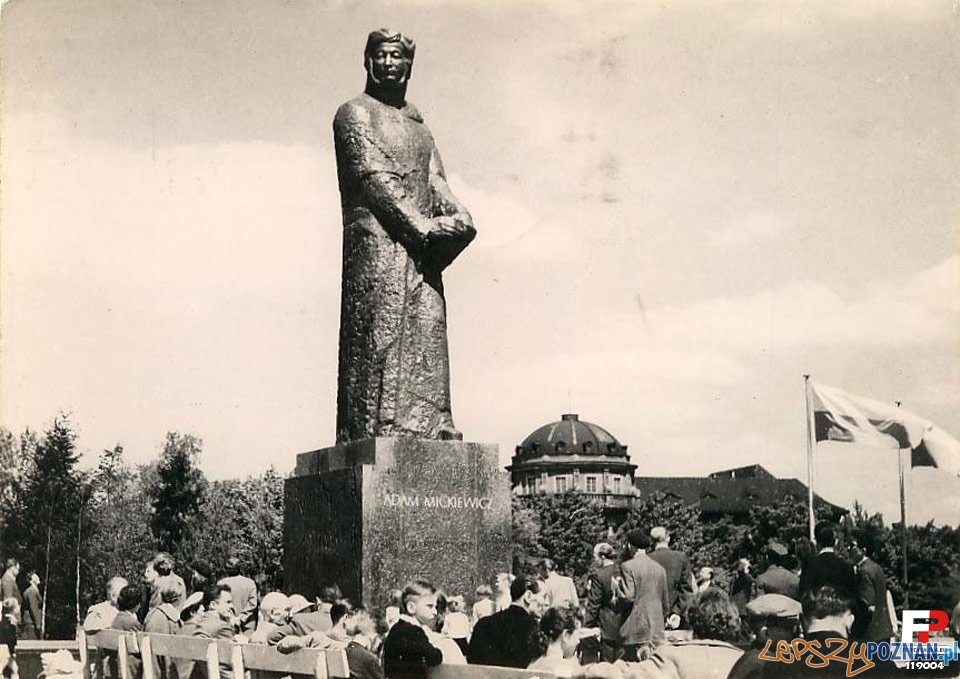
{"x":402,"y":226}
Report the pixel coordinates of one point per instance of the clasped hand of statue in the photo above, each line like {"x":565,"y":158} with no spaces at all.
{"x":445,"y":227}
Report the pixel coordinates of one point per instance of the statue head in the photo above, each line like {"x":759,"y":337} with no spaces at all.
{"x":388,"y":60}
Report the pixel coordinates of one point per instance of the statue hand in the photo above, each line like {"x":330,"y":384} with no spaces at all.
{"x":445,"y":226}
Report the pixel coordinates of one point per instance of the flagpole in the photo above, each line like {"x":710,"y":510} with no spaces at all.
{"x":903,"y":526}
{"x":810,"y":437}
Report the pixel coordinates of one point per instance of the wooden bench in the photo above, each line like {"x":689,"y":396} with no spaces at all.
{"x":114,"y":644}
{"x":483,"y":672}
{"x":117,"y":646}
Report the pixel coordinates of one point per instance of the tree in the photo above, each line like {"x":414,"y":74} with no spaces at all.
{"x":178,"y":492}
{"x":563,"y":526}
{"x":118,"y":517}
{"x":242,"y":519}
{"x":43,"y":531}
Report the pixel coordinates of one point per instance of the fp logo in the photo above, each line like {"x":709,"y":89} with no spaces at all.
{"x":921,"y":623}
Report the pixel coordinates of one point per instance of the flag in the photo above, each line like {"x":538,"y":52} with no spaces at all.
{"x":840,"y":416}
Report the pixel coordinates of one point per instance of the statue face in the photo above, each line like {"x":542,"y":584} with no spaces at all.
{"x":387,"y":65}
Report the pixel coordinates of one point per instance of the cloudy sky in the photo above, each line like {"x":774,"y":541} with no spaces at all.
{"x":682,"y":208}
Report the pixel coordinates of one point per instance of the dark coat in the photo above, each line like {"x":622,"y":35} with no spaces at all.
{"x":872,"y":591}
{"x":32,"y":613}
{"x":828,"y":569}
{"x":679,"y":578}
{"x":504,"y":639}
{"x":602,"y":610}
{"x":407,"y":652}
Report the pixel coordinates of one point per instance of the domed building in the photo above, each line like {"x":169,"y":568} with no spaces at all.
{"x":573,"y":455}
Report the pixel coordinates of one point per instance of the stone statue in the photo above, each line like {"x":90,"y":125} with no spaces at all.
{"x":402,"y":226}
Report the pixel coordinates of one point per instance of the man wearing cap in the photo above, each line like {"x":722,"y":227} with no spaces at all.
{"x":773,"y":617}
{"x":776,"y":579}
{"x":304,"y":619}
{"x":679,"y":575}
{"x":274,"y":612}
{"x":644,"y":586}
{"x":603,"y":609}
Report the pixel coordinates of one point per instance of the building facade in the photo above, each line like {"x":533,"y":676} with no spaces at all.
{"x":571,"y":455}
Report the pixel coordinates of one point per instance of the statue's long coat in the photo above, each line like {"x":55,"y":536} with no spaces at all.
{"x":394,"y":375}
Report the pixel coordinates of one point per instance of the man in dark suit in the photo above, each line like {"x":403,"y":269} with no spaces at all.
{"x":8,"y":583}
{"x":872,"y":621}
{"x":644,"y":585}
{"x":679,"y":575}
{"x":506,"y":638}
{"x":32,"y":615}
{"x":826,"y":568}
{"x":603,"y":609}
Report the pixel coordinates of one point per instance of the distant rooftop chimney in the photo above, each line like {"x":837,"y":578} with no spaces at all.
{"x":570,"y":417}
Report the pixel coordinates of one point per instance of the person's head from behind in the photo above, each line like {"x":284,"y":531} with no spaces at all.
{"x":192,"y":609}
{"x":603,"y":553}
{"x":714,"y":616}
{"x":525,"y":592}
{"x":825,"y":534}
{"x":233,"y":567}
{"x":419,"y":600}
{"x":638,"y":541}
{"x":11,"y":607}
{"x":163,"y":564}
{"x":558,"y":627}
{"x":660,"y":536}
{"x":773,"y":617}
{"x":169,"y":594}
{"x":200,"y":575}
{"x":547,"y":567}
{"x":12,"y":566}
{"x":114,"y":586}
{"x":219,"y":599}
{"x":484,"y":592}
{"x":330,"y":594}
{"x":827,"y":608}
{"x":456,"y":604}
{"x":130,"y":598}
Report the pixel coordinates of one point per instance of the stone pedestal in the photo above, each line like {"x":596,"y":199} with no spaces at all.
{"x":373,"y":514}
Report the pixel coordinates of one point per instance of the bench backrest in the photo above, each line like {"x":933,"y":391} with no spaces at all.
{"x":483,"y":672}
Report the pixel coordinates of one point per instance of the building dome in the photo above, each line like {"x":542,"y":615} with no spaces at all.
{"x":570,"y":436}
{"x":570,"y":455}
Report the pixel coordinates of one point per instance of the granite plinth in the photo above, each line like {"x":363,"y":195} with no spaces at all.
{"x":371,"y":515}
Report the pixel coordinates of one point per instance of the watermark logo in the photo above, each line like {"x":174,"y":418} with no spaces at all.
{"x":917,"y":625}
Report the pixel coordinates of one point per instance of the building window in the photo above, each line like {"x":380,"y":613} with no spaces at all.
{"x":561,"y":484}
{"x":591,"y":484}
{"x":616,"y":484}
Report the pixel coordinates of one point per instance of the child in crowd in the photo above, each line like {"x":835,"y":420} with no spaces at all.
{"x":392,"y":612}
{"x":9,"y":614}
{"x":407,"y":651}
{"x":483,"y":606}
{"x":456,"y":624}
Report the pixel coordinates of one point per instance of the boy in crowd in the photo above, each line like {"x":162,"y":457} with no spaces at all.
{"x":407,"y":651}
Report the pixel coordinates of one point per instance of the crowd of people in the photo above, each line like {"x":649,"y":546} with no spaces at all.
{"x":641,"y":614}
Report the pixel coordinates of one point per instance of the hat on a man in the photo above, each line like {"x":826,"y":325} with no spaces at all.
{"x":768,"y":606}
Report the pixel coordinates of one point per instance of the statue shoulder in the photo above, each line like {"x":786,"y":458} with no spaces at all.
{"x":357,"y":111}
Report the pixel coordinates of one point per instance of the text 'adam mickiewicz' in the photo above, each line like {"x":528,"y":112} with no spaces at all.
{"x":438,"y":501}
